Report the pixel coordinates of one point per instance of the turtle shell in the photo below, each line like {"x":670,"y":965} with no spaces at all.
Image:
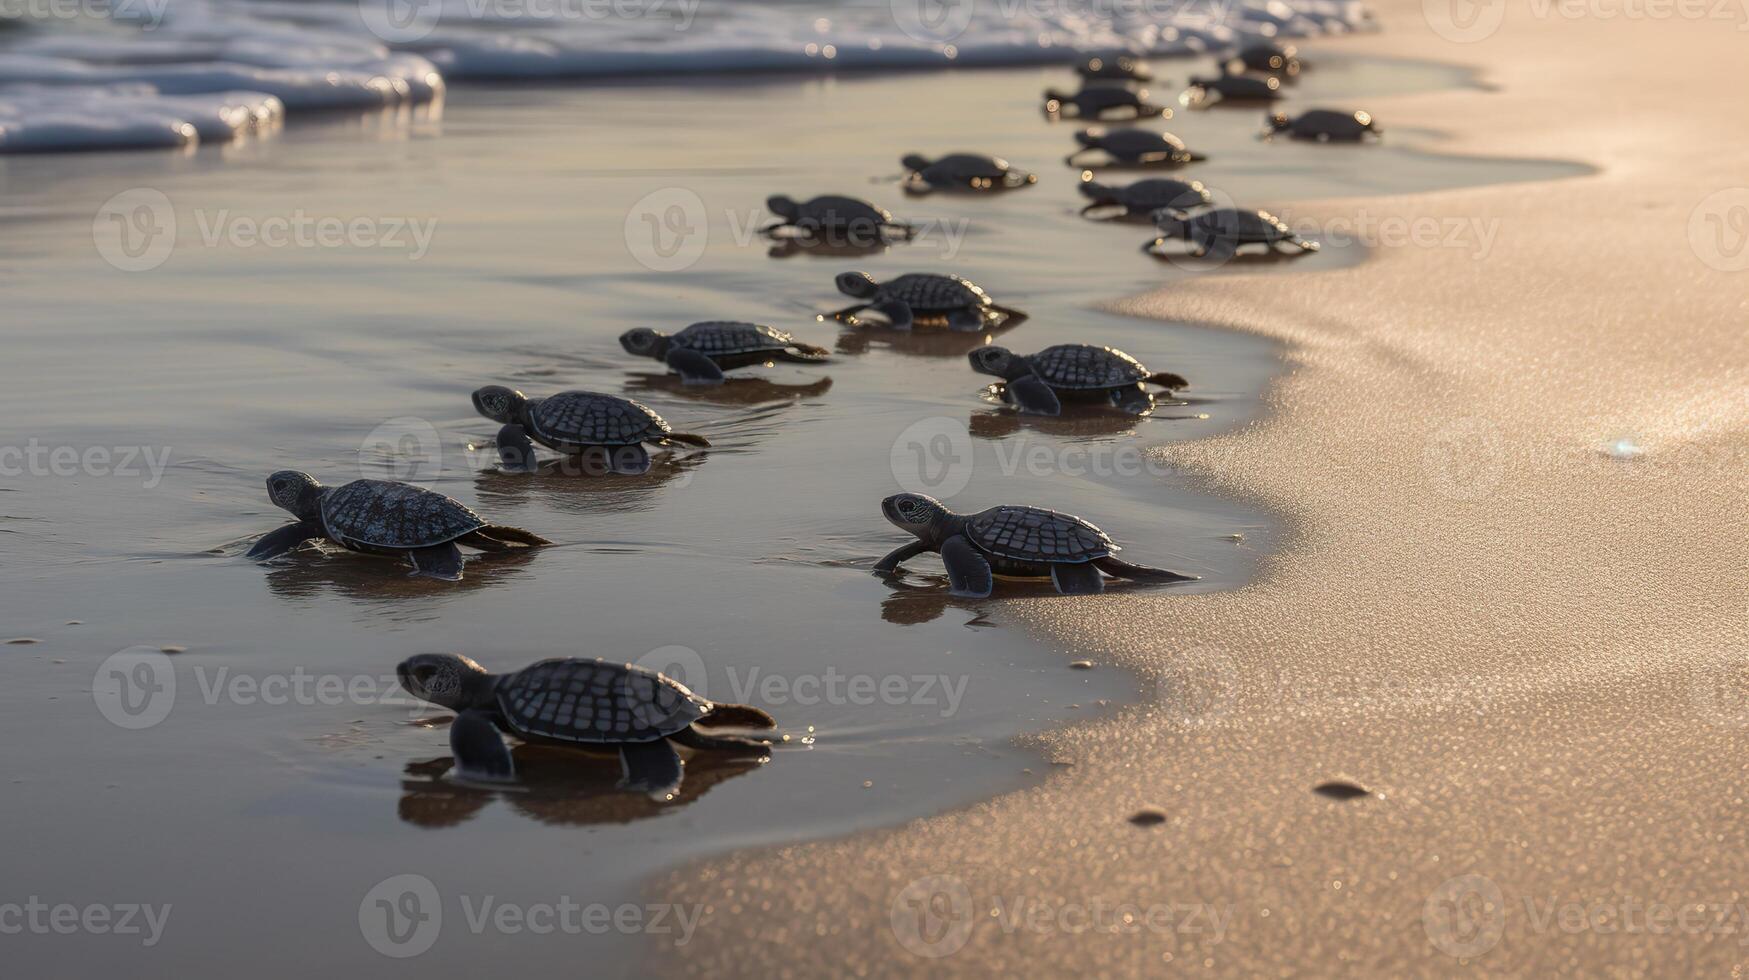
{"x":720,"y":337}
{"x":1138,"y":142}
{"x":1036,"y":534}
{"x":836,"y":211}
{"x":929,"y":291}
{"x":1242,"y":87}
{"x":1330,"y":124}
{"x":1098,"y":98}
{"x":578,"y":700}
{"x":589,"y":418}
{"x":1163,"y":192}
{"x":1242,"y":225}
{"x":1086,"y":366}
{"x":384,"y":514}
{"x":965,"y":166}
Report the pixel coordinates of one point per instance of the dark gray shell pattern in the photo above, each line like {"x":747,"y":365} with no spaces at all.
{"x":395,"y":515}
{"x":1086,"y":366}
{"x":719,"y":337}
{"x":588,"y":418}
{"x":576,"y":700}
{"x":932,"y":291}
{"x":1036,"y":534}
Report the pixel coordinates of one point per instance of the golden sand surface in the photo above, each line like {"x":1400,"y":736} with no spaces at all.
{"x":1514,"y":605}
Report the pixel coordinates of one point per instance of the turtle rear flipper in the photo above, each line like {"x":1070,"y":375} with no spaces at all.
{"x":651,"y":767}
{"x":499,"y":537}
{"x":692,"y":738}
{"x":968,"y":572}
{"x":442,"y":562}
{"x":480,"y":752}
{"x":1077,"y":578}
{"x":1166,"y":379}
{"x":736,"y":716}
{"x":694,"y":366}
{"x":687,"y":438}
{"x":284,"y":539}
{"x":804,"y":353}
{"x":1118,"y":568}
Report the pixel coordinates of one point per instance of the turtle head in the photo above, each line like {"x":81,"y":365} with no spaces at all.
{"x":917,"y":513}
{"x":915,"y":161}
{"x":998,"y":361}
{"x":1277,"y":122}
{"x":1094,"y":190}
{"x":296,"y":492}
{"x":784,"y":207}
{"x":444,"y":679}
{"x":858,"y":284}
{"x":644,"y":342}
{"x":500,"y":404}
{"x":1090,"y":138}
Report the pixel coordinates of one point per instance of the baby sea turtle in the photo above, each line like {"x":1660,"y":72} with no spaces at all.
{"x":703,"y":351}
{"x":1144,"y":197}
{"x":836,"y":219}
{"x":1094,"y":101}
{"x":923,"y":296}
{"x":381,"y":517}
{"x":1222,"y":232}
{"x":963,"y":171}
{"x":1269,"y":57}
{"x":576,"y":423}
{"x":1232,"y":90}
{"x":1113,"y":64}
{"x":1135,"y":146}
{"x":1039,"y":383}
{"x":1325,"y":125}
{"x":1010,"y":540}
{"x":575,"y":703}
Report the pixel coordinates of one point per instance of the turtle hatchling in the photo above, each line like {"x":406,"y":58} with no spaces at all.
{"x":1012,"y":541}
{"x":1114,"y":65}
{"x":703,"y":351}
{"x":576,"y":703}
{"x":921,"y":297}
{"x":1222,"y":232}
{"x":1040,"y":383}
{"x":1145,"y":197}
{"x":963,"y":171}
{"x":577,"y":423}
{"x":1266,"y":56}
{"x":1325,"y":125}
{"x":1232,"y":90}
{"x":381,"y":517}
{"x":835,"y":218}
{"x":1135,"y":146}
{"x":1094,"y":101}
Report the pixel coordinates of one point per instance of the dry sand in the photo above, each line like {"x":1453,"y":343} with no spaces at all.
{"x":1529,"y":650}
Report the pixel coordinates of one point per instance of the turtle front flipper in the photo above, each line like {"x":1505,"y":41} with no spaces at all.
{"x":480,"y":752}
{"x":1031,"y":394}
{"x":442,"y":562}
{"x":1133,"y":399}
{"x":968,"y":572}
{"x":694,"y":367}
{"x":1077,"y":578}
{"x":650,"y":767}
{"x":900,"y":556}
{"x":282,"y":540}
{"x":516,"y":449}
{"x":897,"y":312}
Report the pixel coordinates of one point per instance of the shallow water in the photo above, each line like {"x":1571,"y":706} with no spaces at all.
{"x":266,"y":825}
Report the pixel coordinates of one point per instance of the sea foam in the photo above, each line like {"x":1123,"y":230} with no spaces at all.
{"x":172,"y":73}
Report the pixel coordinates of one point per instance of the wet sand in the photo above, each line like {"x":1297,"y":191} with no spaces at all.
{"x":1509,"y":605}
